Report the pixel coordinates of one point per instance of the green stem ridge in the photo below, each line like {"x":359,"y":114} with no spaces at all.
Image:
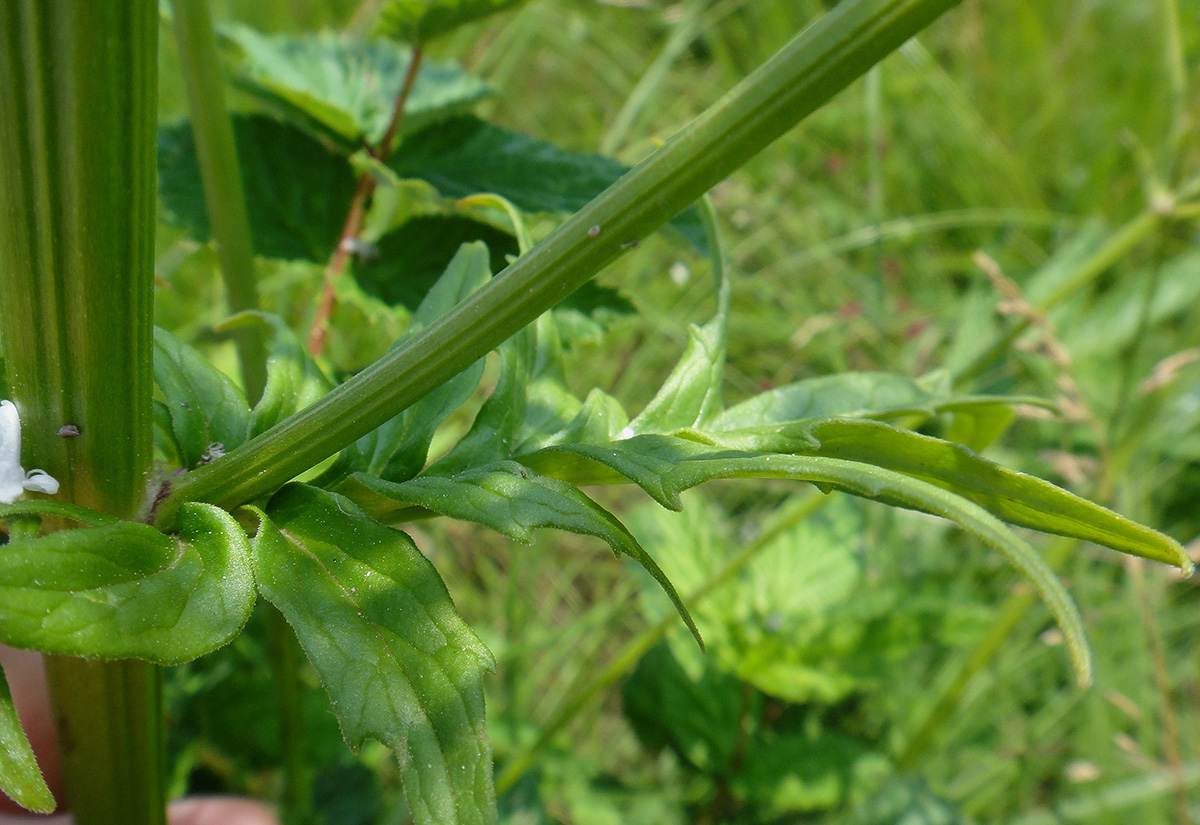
{"x":802,"y":76}
{"x":78,"y":86}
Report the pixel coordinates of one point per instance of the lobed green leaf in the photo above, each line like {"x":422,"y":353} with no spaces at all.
{"x":398,"y":662}
{"x":343,"y":89}
{"x":419,"y":21}
{"x":20,"y":778}
{"x":124,"y":590}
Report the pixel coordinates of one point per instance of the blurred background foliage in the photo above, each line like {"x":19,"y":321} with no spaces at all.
{"x":999,"y":202}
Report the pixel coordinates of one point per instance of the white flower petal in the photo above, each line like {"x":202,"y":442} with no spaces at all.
{"x":39,"y":481}
{"x":13,"y":480}
{"x":10,"y":434}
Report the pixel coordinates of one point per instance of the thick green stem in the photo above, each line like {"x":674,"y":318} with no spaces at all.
{"x":222,"y":181}
{"x":78,"y":85}
{"x":109,"y":721}
{"x":802,"y":76}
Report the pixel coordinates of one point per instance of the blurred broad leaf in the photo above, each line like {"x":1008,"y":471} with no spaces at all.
{"x":297,"y":189}
{"x":124,"y":590}
{"x":203,"y":411}
{"x":345,"y":89}
{"x":679,"y":698}
{"x":906,"y":801}
{"x":398,"y":662}
{"x":419,"y":21}
{"x":788,"y":772}
{"x":20,"y":778}
{"x":410,"y":259}
{"x":464,"y":155}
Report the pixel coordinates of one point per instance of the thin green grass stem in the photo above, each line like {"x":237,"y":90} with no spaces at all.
{"x":222,"y":181}
{"x":649,"y":85}
{"x":954,"y":680}
{"x":1119,"y":244}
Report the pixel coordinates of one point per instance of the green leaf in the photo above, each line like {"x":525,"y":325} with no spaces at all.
{"x":514,"y":502}
{"x":691,"y":395}
{"x":419,"y":21}
{"x":664,"y":466}
{"x":345,"y":89}
{"x":464,"y":156}
{"x":412,"y":257}
{"x":398,"y":662}
{"x":398,"y":450}
{"x":1015,"y":497}
{"x":865,"y":394}
{"x":20,"y":778}
{"x":124,"y":590}
{"x":292,"y":216}
{"x":549,"y":403}
{"x":208,"y":413}
{"x":294,"y":380}
{"x":679,"y":698}
{"x":906,"y":801}
{"x":786,"y":773}
{"x":493,"y":434}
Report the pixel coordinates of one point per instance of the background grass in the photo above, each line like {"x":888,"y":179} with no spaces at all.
{"x":1032,"y":133}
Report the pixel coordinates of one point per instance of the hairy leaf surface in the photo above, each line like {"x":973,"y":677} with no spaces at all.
{"x":398,"y":662}
{"x":20,"y":778}
{"x":204,"y":406}
{"x":125,"y":590}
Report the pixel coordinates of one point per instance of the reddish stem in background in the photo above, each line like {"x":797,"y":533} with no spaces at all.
{"x":358,"y":210}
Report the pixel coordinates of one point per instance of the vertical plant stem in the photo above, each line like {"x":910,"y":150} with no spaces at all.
{"x":358,"y":208}
{"x":296,"y":797}
{"x":226,"y":206}
{"x":222,"y":180}
{"x":78,"y":84}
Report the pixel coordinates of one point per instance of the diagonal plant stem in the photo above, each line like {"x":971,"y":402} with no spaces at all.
{"x":803,"y":75}
{"x":358,"y":209}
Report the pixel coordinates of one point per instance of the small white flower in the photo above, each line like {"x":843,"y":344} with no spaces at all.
{"x":13,"y":479}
